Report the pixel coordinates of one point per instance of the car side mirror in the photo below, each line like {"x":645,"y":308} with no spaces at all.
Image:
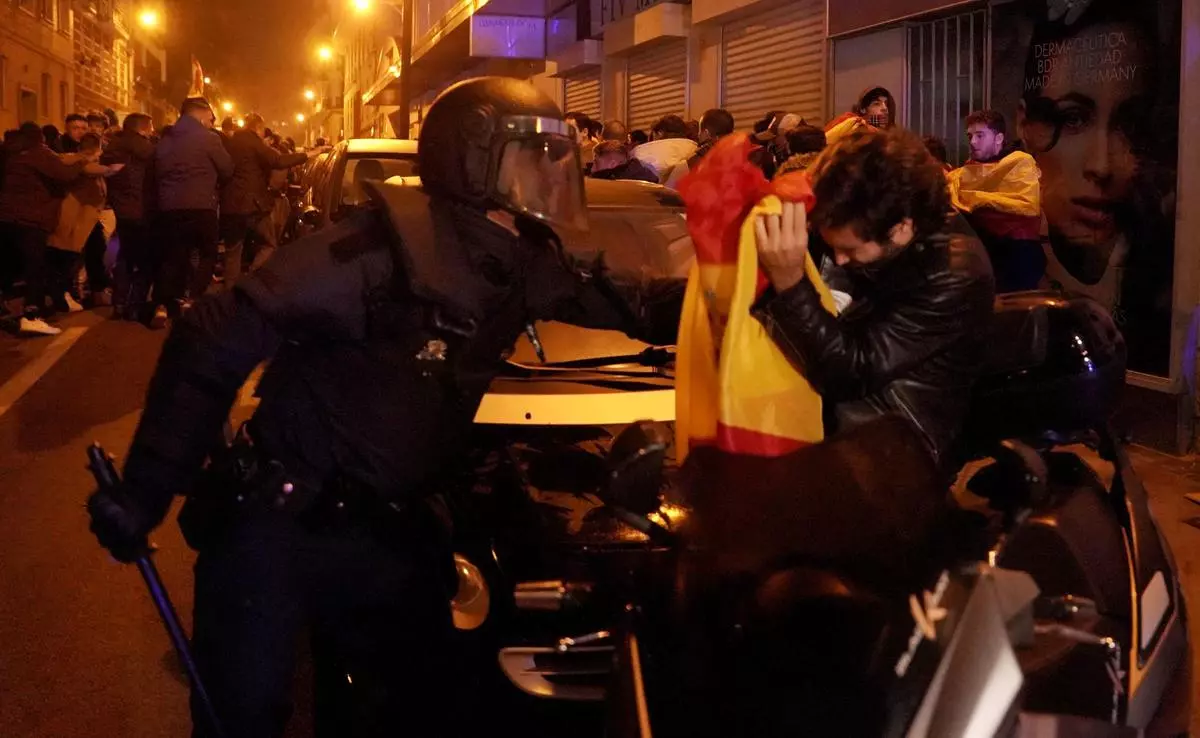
{"x":635,"y":468}
{"x":311,"y":217}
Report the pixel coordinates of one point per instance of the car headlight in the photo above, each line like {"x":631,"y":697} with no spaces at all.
{"x":472,"y":601}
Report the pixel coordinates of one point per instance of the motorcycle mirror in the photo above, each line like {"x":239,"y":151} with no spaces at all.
{"x":635,"y":467}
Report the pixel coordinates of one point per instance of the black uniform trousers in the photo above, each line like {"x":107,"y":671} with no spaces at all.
{"x":377,"y":611}
{"x":182,"y":232}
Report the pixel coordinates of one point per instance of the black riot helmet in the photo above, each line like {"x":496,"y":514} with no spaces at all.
{"x":499,"y":142}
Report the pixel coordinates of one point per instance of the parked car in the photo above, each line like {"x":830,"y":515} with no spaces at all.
{"x":334,"y":182}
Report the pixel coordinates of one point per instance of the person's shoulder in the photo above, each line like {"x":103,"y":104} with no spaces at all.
{"x":325,"y":274}
{"x":967,"y":263}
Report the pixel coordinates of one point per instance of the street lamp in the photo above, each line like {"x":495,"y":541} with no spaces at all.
{"x":208,"y":80}
{"x":325,"y":52}
{"x":309,"y":95}
{"x":299,"y":117}
{"x":362,"y":6}
{"x":227,"y":106}
{"x":241,"y":123}
{"x":148,"y":19}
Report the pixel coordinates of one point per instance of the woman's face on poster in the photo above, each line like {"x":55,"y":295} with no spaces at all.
{"x":1087,"y":163}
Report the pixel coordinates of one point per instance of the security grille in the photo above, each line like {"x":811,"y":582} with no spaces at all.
{"x":947,"y":62}
{"x":657,"y":84}
{"x":582,"y":94}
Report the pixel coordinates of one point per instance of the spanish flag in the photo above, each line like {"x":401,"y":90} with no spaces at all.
{"x":843,"y":126}
{"x":734,"y":389}
{"x":1003,"y":195}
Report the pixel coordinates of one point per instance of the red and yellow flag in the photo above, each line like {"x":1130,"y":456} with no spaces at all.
{"x":1010,"y":185}
{"x":843,"y":126}
{"x":734,"y":388}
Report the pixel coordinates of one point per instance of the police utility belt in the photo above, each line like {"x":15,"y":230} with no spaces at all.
{"x":242,"y":480}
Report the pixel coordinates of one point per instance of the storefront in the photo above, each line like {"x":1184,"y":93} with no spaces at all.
{"x":657,"y":83}
{"x":1062,"y":77}
{"x":773,"y":58}
{"x":581,"y":92}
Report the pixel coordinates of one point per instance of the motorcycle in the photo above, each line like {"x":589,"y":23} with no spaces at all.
{"x":1058,"y":612}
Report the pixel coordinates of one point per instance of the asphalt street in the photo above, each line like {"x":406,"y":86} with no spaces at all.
{"x":82,"y":652}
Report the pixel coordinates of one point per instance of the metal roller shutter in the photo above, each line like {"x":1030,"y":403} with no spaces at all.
{"x":657,"y":83}
{"x":582,"y":94}
{"x":775,"y":60}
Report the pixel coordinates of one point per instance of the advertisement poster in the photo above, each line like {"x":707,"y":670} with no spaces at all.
{"x":1091,"y":89}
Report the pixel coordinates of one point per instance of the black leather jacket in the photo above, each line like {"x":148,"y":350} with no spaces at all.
{"x":911,"y":343}
{"x":375,"y":375}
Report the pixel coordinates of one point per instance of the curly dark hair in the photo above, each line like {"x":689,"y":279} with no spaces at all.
{"x":873,"y":180}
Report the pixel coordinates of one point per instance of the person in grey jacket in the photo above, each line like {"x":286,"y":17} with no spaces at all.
{"x":190,"y":165}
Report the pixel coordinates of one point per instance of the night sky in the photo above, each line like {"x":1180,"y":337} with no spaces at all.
{"x":256,"y":51}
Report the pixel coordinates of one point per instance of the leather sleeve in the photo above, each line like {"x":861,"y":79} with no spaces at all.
{"x":849,"y":360}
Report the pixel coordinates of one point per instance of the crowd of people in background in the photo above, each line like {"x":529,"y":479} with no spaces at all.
{"x":170,"y":198}
{"x":996,"y":190}
{"x":165,"y":200}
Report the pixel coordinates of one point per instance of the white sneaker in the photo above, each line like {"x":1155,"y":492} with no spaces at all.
{"x":38,"y":327}
{"x":72,"y":305}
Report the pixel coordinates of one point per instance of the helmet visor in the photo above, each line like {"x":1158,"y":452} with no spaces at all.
{"x":540,"y":175}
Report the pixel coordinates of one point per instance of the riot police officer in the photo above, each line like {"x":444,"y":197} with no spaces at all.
{"x":383,"y":332}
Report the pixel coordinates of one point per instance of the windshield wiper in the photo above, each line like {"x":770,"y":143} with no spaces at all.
{"x":652,"y":356}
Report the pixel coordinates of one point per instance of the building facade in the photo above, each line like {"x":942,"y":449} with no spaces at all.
{"x":104,"y":58}
{"x":37,"y":73}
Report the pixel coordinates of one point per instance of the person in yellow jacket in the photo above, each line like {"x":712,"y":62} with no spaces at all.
{"x":999,"y":193}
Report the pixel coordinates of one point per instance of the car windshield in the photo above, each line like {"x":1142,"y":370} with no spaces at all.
{"x":363,"y":168}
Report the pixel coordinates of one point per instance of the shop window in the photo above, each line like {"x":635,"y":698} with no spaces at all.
{"x":947,"y":62}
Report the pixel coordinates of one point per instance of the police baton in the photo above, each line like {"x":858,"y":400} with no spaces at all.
{"x":105,"y":472}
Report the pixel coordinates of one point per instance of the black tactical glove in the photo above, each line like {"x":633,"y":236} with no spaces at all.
{"x":121,"y":521}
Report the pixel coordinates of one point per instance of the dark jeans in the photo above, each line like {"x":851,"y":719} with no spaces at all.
{"x":136,"y":264}
{"x":31,"y":243}
{"x":378,"y":616}
{"x":181,"y":232}
{"x":1017,"y":264}
{"x":94,"y":250}
{"x":10,"y":258}
{"x":236,"y":229}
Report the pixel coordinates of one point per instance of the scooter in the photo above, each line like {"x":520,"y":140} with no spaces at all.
{"x":1063,"y":615}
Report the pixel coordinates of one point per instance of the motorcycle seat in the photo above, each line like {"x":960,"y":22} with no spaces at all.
{"x":1053,"y":366}
{"x":1018,"y":336}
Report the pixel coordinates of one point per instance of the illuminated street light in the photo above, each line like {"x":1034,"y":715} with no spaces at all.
{"x":241,"y":123}
{"x":309,"y":95}
{"x":299,"y":117}
{"x":227,"y":106}
{"x":208,"y":80}
{"x":325,"y":53}
{"x":148,"y":19}
{"x":362,"y":6}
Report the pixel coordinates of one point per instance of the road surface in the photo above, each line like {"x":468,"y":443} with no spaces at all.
{"x":82,"y":653}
